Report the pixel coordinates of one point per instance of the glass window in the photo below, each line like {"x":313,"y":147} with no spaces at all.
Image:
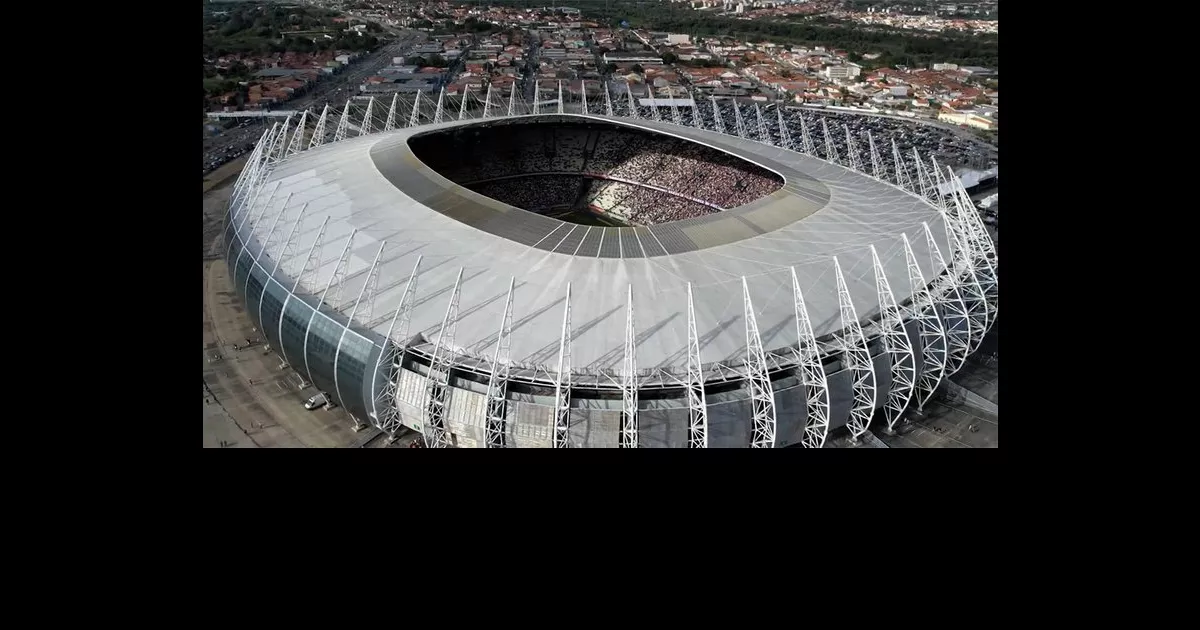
{"x":253,"y":293}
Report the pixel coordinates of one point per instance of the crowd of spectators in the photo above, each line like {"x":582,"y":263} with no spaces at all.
{"x":536,"y":193}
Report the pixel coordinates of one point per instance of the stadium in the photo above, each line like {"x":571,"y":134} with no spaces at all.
{"x":573,"y":280}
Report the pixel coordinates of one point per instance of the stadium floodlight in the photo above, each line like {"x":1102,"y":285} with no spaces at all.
{"x":343,"y":125}
{"x":762,"y":399}
{"x":628,"y":435}
{"x":697,"y":404}
{"x":368,"y":289}
{"x":437,"y":380}
{"x":897,"y":345}
{"x":858,"y":361}
{"x":929,"y":330}
{"x":390,"y":123}
{"x":497,"y":396}
{"x":318,"y":137}
{"x":392,"y":355}
{"x":812,"y":374}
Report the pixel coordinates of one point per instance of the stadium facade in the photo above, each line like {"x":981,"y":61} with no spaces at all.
{"x":841,"y":299}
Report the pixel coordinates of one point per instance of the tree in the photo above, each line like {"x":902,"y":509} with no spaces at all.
{"x":610,"y":68}
{"x":854,"y":57}
{"x":637,"y":67}
{"x":669,"y":58}
{"x":438,"y":61}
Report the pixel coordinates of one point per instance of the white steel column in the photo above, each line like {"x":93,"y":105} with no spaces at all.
{"x":338,"y":274}
{"x":437,"y":380}
{"x":608,"y":108}
{"x":306,"y":271}
{"x":250,"y":215}
{"x":562,"y":382}
{"x":343,"y":125}
{"x":512,"y":98}
{"x":854,"y":161}
{"x":365,"y":127}
{"x":812,"y":374}
{"x":390,"y":123}
{"x":368,"y":289}
{"x":764,"y":135}
{"x":964,"y":261}
{"x":414,"y":119}
{"x":926,"y":187}
{"x":740,"y":125}
{"x":654,"y":115}
{"x":947,"y":294}
{"x":288,"y":252}
{"x":718,"y":121}
{"x":633,"y":110}
{"x":900,"y":177}
{"x":294,"y":146}
{"x":897,"y":345}
{"x":695,"y":111}
{"x":583,"y":95}
{"x":831,"y":153}
{"x":877,"y":170}
{"x":675,"y":115}
{"x":929,"y":325}
{"x":628,"y":436}
{"x":439,"y":108}
{"x":537,"y":97}
{"x":858,"y":361}
{"x":560,"y":97}
{"x":487,"y":102}
{"x":279,"y":148}
{"x":762,"y":399}
{"x":785,"y":136}
{"x":267,"y":242}
{"x":462,"y":103}
{"x":697,"y":404}
{"x":318,"y":136}
{"x":496,"y":412}
{"x":392,"y":355}
{"x":806,"y":138}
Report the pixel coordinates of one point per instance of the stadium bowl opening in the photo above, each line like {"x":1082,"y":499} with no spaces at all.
{"x":593,"y":172}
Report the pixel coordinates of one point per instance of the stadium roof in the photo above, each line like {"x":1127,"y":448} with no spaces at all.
{"x":375,"y":185}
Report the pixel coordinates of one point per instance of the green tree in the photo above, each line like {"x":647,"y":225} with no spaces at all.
{"x":637,"y":67}
{"x":669,"y":58}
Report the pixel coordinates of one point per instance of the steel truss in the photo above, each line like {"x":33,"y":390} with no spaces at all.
{"x":339,"y":273}
{"x":964,"y":262}
{"x":831,"y":153}
{"x":924,"y":186}
{"x":762,"y":399}
{"x":437,"y":380}
{"x":288,"y":252}
{"x":487,"y":102}
{"x":462,"y":103}
{"x":391,"y":354}
{"x":633,"y":109}
{"x":697,"y":404}
{"x":307,"y":270}
{"x":414,"y":119}
{"x":812,"y":374}
{"x":583,"y":95}
{"x":497,"y":402}
{"x":858,"y":361}
{"x":512,"y":98}
{"x":897,"y":345}
{"x":901,"y":175}
{"x":855,"y":161}
{"x":982,"y":248}
{"x":654,"y":115}
{"x":931,"y":332}
{"x":367,"y":121}
{"x":628,"y":436}
{"x":947,"y":293}
{"x":737,"y":120}
{"x":695,"y":111}
{"x":318,"y":136}
{"x":676,"y":117}
{"x":390,"y":123}
{"x":877,"y":169}
{"x":294,"y":146}
{"x":785,"y":136}
{"x":717,"y":119}
{"x":608,"y":108}
{"x":764,"y":135}
{"x":368,"y":292}
{"x":279,"y":144}
{"x":560,"y":97}
{"x":439,"y":109}
{"x":343,"y":125}
{"x":268,"y":242}
{"x":562,"y":381}
{"x":806,"y":138}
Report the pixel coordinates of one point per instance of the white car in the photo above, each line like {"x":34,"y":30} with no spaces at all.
{"x":316,"y":402}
